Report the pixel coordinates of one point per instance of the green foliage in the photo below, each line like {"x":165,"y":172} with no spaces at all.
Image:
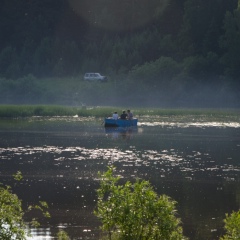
{"x":159,"y":47}
{"x":159,"y":72}
{"x":16,"y":111}
{"x":12,"y":225}
{"x":9,"y":65}
{"x":229,"y":42}
{"x":46,"y":46}
{"x":232,"y":226}
{"x":36,"y":110}
{"x":56,"y":57}
{"x":42,"y":207}
{"x":202,"y":68}
{"x":23,"y":90}
{"x":18,"y":176}
{"x":134,"y":211}
{"x":62,"y":235}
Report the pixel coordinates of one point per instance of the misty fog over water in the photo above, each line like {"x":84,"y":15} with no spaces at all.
{"x":76,"y":92}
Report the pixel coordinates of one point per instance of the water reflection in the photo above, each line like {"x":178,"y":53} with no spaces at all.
{"x":40,"y":234}
{"x":192,"y":163}
{"x":191,"y":124}
{"x":197,"y":165}
{"x":125,"y":133}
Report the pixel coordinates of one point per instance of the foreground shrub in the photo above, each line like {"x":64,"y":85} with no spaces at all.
{"x":12,"y":225}
{"x":232,"y":226}
{"x":11,"y":216}
{"x":62,"y":235}
{"x":134,"y":211}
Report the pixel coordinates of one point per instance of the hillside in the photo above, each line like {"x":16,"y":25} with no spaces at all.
{"x":179,"y":51}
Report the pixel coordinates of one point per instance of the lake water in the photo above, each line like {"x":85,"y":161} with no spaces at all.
{"x":197,"y":163}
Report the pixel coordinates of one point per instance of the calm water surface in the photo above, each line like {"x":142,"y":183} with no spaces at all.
{"x":195,"y":163}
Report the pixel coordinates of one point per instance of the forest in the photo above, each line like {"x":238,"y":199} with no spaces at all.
{"x":164,"y":53}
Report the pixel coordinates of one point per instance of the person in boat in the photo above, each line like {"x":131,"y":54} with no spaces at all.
{"x":115,"y":116}
{"x":123,"y":115}
{"x":130,"y":115}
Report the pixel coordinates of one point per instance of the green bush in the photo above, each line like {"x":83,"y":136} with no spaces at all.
{"x":62,"y":235}
{"x":161,"y":71}
{"x":12,"y":225}
{"x":232,"y":226}
{"x":134,"y":211}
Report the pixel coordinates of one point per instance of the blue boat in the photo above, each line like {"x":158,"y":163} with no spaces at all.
{"x":110,"y":122}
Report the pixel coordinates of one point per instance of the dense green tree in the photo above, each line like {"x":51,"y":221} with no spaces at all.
{"x":29,"y":20}
{"x":138,"y":39}
{"x":203,"y":24}
{"x":135,"y":211}
{"x":158,"y":73}
{"x":67,"y":58}
{"x":202,"y":68}
{"x":9,"y":64}
{"x":42,"y":58}
{"x":232,"y":223}
{"x":12,"y":225}
{"x":230,"y":44}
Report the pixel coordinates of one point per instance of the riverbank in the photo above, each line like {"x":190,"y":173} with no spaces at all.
{"x":118,"y":91}
{"x":18,"y":111}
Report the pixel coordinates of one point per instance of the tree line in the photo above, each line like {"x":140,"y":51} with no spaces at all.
{"x":180,"y":43}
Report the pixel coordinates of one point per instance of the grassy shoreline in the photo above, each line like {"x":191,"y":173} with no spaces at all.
{"x":18,"y":111}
